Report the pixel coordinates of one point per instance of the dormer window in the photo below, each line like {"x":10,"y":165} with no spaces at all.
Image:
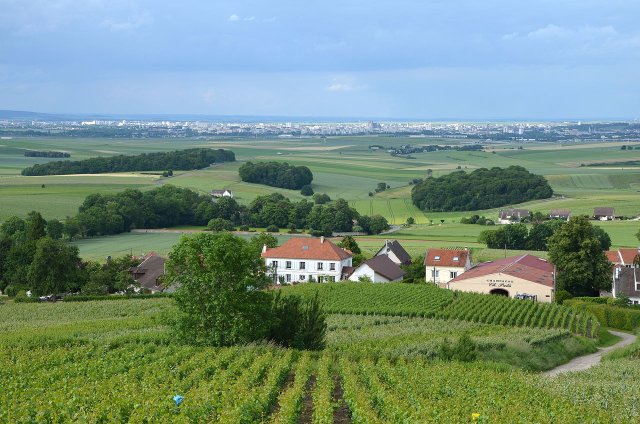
{"x":437,"y":258}
{"x":456,"y":258}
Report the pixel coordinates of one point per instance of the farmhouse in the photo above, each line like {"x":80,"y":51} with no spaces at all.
{"x":306,"y":259}
{"x":604,"y":214}
{"x":221,"y":193}
{"x":149,"y":272}
{"x":394,"y":250}
{"x":523,"y":276}
{"x":507,"y":216}
{"x":560,"y":214}
{"x":626,"y":281}
{"x":443,"y":265}
{"x":379,"y":269}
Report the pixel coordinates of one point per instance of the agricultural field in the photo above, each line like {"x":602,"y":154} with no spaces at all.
{"x":343,"y":167}
{"x":61,"y":362}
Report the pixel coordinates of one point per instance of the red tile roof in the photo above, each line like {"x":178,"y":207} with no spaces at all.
{"x":527,"y":267}
{"x":628,"y":255}
{"x":307,"y":248}
{"x":446,"y":257}
{"x":613,"y":256}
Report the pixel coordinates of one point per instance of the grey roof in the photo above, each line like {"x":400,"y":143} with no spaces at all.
{"x":386,"y":267}
{"x":397,"y":249}
{"x":626,"y":281}
{"x":604,"y":211}
{"x":511,"y":213}
{"x":147,"y":274}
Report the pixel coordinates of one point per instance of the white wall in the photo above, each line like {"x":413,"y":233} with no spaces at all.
{"x":514,"y":285}
{"x":365,"y":271}
{"x":311,"y":269}
{"x":444,"y":275}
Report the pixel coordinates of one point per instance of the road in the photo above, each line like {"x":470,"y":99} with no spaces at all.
{"x":582,"y":363}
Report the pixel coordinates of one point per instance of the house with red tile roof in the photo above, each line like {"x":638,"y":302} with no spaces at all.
{"x":304,"y":259}
{"x":624,"y":256}
{"x":515,"y":276}
{"x":443,"y":265}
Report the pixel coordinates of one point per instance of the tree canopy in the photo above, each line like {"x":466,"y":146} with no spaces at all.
{"x":276,"y":174}
{"x":179,"y":159}
{"x":480,"y":189}
{"x":577,"y":253}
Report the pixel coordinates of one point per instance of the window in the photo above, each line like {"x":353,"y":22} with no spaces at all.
{"x":332,"y":266}
{"x":319,"y":266}
{"x":455,"y":258}
{"x":303,"y":265}
{"x":302,"y":277}
{"x":437,"y":258}
{"x":320,"y":279}
{"x":274,"y":264}
{"x":435,"y":273}
{"x":288,"y":265}
{"x":288,"y":278}
{"x":332,"y":279}
{"x":453,"y":274}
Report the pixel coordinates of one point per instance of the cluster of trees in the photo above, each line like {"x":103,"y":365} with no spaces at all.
{"x":33,"y":257}
{"x":46,"y":154}
{"x":180,"y":159}
{"x":170,"y":206}
{"x":221,"y":300}
{"x":276,"y":174}
{"x":478,"y":220}
{"x":480,"y":189}
{"x":519,"y":237}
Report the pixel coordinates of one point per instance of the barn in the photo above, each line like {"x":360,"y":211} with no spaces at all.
{"x":522,"y":276}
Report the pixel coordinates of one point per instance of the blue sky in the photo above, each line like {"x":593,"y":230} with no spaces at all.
{"x":466,"y":59}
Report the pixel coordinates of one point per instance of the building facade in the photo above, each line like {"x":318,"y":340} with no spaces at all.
{"x":301,"y":260}
{"x":443,"y":265}
{"x":379,"y":269}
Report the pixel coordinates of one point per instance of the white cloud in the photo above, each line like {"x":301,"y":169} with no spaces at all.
{"x":132,"y":23}
{"x":338,"y":86}
{"x":249,"y":19}
{"x":234,"y":18}
{"x":208,"y":96}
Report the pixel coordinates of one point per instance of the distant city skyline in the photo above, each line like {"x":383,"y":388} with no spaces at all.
{"x":465,"y":60}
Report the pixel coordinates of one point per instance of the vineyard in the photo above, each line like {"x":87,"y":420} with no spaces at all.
{"x":432,"y":302}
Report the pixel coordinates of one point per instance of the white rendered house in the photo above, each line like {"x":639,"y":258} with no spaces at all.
{"x":301,"y":260}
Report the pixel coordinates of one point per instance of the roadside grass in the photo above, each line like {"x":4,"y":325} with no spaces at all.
{"x":606,"y":338}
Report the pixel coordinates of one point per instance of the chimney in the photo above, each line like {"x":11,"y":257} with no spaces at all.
{"x":264,"y":248}
{"x":321,"y":239}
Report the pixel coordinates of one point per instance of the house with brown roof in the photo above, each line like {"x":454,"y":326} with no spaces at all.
{"x":507,"y":216}
{"x":626,"y":281}
{"x":379,"y":269}
{"x":525,"y":276}
{"x":560,"y":214}
{"x":304,"y":259}
{"x":443,"y":265}
{"x":394,"y":250}
{"x":148,"y":274}
{"x":604,"y":214}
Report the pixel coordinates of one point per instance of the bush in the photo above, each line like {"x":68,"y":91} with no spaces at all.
{"x":561,"y":296}
{"x":611,"y":316}
{"x":220,"y":224}
{"x":273,"y":229}
{"x":244,"y":228}
{"x":11,"y":290}
{"x":306,"y":190}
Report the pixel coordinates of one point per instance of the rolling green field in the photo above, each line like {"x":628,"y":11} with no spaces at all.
{"x":343,"y":167}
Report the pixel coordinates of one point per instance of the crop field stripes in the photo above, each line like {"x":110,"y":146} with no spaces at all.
{"x":393,"y":217}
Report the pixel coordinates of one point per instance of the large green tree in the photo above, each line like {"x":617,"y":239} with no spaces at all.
{"x":55,"y":267}
{"x":219,"y":299}
{"x":576,"y":251}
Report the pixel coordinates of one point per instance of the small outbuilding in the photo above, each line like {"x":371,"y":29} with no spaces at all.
{"x":221,"y":193}
{"x":394,"y":250}
{"x":148,"y":274}
{"x":564,"y":214}
{"x":604,"y":214}
{"x":507,"y":216}
{"x":379,"y":269}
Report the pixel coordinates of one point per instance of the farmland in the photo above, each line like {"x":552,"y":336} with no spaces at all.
{"x":60,"y":362}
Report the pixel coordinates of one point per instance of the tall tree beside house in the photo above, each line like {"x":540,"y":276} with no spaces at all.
{"x":581,"y":265}
{"x":349,"y":243}
{"x":219,"y":299}
{"x":55,"y":267}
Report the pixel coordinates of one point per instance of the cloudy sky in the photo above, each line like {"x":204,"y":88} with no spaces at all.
{"x":464,"y":59}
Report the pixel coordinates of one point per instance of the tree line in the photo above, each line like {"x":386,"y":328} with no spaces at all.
{"x":480,"y":189}
{"x":170,"y":206}
{"x":180,"y":159}
{"x":276,"y":174}
{"x":519,"y":237}
{"x":46,"y":154}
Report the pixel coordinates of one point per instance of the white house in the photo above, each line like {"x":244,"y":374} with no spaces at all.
{"x":394,"y":250}
{"x":306,"y":260}
{"x":626,"y":281}
{"x":221,"y":193}
{"x":443,"y":265}
{"x":379,"y":269}
{"x":507,"y":216}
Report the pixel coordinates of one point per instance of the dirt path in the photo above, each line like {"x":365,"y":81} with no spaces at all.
{"x":582,"y":363}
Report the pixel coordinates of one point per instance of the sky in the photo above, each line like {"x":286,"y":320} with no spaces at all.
{"x":463,"y":59}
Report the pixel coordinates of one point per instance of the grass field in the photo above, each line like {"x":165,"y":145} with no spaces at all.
{"x":343,"y":167}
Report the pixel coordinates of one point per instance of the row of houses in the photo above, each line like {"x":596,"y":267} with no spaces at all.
{"x":308,"y":260}
{"x":508,"y":216}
